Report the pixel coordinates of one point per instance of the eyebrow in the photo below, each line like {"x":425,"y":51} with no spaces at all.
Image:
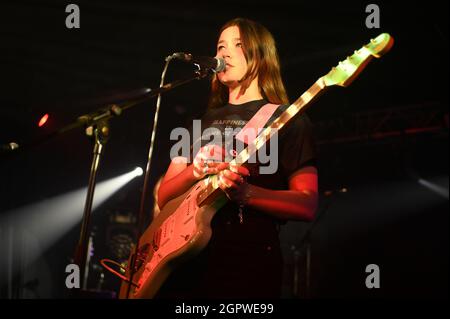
{"x":222,"y":41}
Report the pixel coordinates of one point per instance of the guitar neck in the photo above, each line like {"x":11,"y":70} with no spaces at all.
{"x":296,"y":108}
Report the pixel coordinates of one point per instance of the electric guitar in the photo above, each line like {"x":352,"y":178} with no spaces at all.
{"x":182,"y":228}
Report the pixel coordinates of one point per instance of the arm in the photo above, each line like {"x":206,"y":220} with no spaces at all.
{"x":177,"y":180}
{"x":180,"y":176}
{"x":297,"y":203}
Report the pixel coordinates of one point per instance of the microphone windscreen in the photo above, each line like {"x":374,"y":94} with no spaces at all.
{"x":221,"y":65}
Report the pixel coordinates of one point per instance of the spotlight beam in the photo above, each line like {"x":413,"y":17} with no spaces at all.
{"x":45,"y":222}
{"x":441,"y":191}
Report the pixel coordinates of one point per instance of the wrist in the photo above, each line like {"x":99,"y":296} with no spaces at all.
{"x":247,"y":195}
{"x":192,"y":174}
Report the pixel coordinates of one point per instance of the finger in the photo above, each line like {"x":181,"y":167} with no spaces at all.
{"x":209,"y":168}
{"x":203,"y":156}
{"x":218,"y":167}
{"x":241,"y":170}
{"x":225,"y":183}
{"x":198,"y":173}
{"x":200,"y":167}
{"x":244,"y":171}
{"x":234,"y":168}
{"x":235,"y":178}
{"x":198,"y":161}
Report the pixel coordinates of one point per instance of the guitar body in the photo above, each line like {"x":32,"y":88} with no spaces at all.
{"x":180,"y":231}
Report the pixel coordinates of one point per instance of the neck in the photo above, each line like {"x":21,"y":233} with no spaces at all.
{"x":252,"y":93}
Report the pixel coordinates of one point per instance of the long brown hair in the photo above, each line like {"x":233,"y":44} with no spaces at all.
{"x":262,"y":59}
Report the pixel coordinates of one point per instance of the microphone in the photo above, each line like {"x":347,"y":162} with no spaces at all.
{"x":214,"y":64}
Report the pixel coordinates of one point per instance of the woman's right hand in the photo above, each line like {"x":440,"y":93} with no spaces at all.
{"x":209,"y":160}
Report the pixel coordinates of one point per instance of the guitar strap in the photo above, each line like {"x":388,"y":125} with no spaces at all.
{"x":256,"y":124}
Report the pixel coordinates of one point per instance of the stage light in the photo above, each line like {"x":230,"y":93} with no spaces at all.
{"x":138,"y":171}
{"x":43,"y":120}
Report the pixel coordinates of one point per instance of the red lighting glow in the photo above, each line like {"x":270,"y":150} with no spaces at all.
{"x":43,"y":120}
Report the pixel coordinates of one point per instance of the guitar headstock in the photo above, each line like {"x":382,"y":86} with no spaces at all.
{"x":346,"y":71}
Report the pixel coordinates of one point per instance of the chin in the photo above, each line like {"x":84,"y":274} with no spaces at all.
{"x":228,"y":80}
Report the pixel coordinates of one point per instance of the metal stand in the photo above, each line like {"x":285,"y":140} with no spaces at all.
{"x":100,"y":132}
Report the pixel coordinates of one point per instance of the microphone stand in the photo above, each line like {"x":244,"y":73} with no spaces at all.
{"x":96,"y":124}
{"x":100,"y":140}
{"x":137,"y":255}
{"x":99,"y":130}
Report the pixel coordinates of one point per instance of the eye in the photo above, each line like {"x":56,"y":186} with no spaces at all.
{"x":220,"y":47}
{"x":239,"y":45}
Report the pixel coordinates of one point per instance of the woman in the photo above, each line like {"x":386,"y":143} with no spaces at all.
{"x":243,"y":257}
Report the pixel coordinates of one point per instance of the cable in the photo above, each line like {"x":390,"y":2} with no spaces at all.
{"x":105,"y":265}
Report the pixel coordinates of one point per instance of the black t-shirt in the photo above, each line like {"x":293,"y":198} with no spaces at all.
{"x":240,"y":255}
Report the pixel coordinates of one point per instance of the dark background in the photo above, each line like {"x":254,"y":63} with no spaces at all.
{"x":376,"y":138}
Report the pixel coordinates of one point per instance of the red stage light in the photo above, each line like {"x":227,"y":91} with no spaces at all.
{"x":43,"y":120}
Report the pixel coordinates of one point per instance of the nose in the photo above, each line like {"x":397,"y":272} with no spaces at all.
{"x":224,"y":53}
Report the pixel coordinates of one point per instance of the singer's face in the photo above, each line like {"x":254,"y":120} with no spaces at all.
{"x":229,"y":47}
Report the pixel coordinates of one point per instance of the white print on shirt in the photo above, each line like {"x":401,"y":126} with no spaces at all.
{"x":265,"y":155}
